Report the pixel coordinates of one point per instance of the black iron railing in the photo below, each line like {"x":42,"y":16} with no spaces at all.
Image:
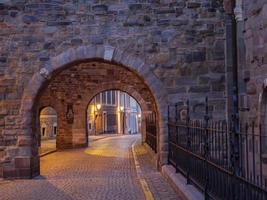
{"x":151,"y":131}
{"x":205,"y":152}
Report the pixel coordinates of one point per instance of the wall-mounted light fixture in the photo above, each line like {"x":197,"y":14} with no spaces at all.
{"x":70,"y":114}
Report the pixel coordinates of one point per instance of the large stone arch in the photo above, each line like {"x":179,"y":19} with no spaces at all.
{"x":106,"y":54}
{"x":80,"y":81}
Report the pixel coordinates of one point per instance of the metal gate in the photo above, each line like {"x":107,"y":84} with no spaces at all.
{"x":151,"y":131}
{"x":224,"y":161}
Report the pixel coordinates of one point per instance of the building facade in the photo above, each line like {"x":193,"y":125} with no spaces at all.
{"x":113,"y":111}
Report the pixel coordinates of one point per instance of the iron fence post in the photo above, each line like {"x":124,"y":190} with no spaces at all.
{"x":176,"y":135}
{"x":206,"y":149}
{"x":169,"y":144}
{"x":176,"y":120}
{"x":188,"y":139}
{"x":260,"y":142}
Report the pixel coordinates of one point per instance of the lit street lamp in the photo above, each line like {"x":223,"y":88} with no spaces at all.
{"x":98,"y":106}
{"x":96,"y":109}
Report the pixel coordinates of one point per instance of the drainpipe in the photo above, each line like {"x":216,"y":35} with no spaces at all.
{"x":237,"y":52}
{"x":233,"y":9}
{"x":235,"y":64}
{"x":239,"y":65}
{"x":243,"y":76}
{"x":236,"y":18}
{"x":232,"y":82}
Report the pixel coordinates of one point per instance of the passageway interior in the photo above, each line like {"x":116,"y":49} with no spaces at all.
{"x":105,"y":170}
{"x":94,"y":97}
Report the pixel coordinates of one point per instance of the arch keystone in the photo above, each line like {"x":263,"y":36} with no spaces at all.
{"x":108,"y":52}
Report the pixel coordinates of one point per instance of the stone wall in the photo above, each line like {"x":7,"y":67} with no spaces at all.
{"x":253,"y":71}
{"x":179,"y":46}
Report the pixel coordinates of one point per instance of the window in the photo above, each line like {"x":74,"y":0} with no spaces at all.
{"x":104,"y":96}
{"x":128,"y":100}
{"x":113,"y":97}
{"x":109,"y":97}
{"x":122,"y":99}
{"x":97,"y":99}
{"x":43,"y":131}
{"x":55,"y":130}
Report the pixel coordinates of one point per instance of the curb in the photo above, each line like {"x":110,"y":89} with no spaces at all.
{"x":178,"y":182}
{"x":93,"y":140}
{"x":47,"y":153}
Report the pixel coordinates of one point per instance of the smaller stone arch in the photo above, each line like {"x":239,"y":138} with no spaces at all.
{"x":113,"y":109}
{"x":47,"y":119}
{"x":124,"y":88}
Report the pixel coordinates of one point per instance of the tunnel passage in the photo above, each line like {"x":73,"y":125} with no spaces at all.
{"x":70,"y":90}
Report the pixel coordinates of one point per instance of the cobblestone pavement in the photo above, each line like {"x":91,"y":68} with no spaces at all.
{"x":50,"y":144}
{"x":104,"y":171}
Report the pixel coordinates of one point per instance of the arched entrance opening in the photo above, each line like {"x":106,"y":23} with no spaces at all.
{"x":48,"y":130}
{"x":113,"y":112}
{"x":67,"y":90}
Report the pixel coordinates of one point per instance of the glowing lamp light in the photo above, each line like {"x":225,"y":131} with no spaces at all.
{"x":98,"y":106}
{"x":121,"y":108}
{"x":139,"y":115}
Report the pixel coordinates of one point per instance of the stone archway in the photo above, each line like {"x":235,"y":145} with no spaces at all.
{"x":75,"y":85}
{"x":115,"y":102}
{"x":124,"y":88}
{"x":85,"y":54}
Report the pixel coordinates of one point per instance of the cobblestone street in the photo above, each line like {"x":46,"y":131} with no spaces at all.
{"x":105,"y":170}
